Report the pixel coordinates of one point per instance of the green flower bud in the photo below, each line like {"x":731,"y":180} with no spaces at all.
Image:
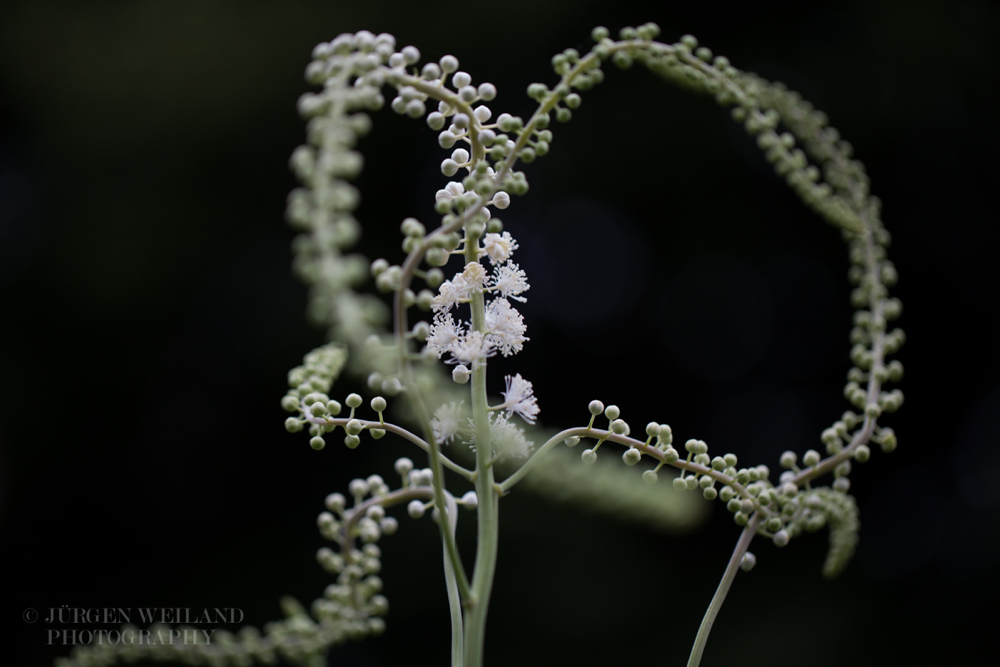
{"x":290,"y":403}
{"x":862,"y":453}
{"x":335,"y":502}
{"x":612,"y":412}
{"x":352,"y":441}
{"x":596,"y":408}
{"x":741,"y":519}
{"x":780,"y":538}
{"x":377,"y":433}
{"x":353,"y":401}
{"x":670,"y":455}
{"x":618,"y":426}
{"x":354,"y":427}
{"x":631,"y":456}
{"x":317,"y":443}
{"x":811,"y":458}
{"x":378,"y":404}
{"x":748,"y":561}
{"x":572,"y":441}
{"x":730,"y":460}
{"x":727,"y":494}
{"x":710,"y":493}
{"x":589,"y":456}
{"x":333,"y":407}
{"x":788,"y":459}
{"x":774,"y":524}
{"x":680,"y":484}
{"x":293,"y":425}
{"x":734,"y":505}
{"x":650,"y":477}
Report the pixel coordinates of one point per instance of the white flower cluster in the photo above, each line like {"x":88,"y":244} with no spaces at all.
{"x":504,"y":324}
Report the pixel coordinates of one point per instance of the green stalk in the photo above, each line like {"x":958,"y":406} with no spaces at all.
{"x":488,"y":517}
{"x":720,"y":594}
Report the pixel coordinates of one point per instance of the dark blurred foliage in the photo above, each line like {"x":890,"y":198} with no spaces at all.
{"x":148,"y":318}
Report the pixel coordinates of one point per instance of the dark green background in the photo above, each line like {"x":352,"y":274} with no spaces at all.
{"x":148,"y":317}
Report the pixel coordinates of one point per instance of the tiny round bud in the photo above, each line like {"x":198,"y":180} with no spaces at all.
{"x":572,"y":441}
{"x":290,"y":403}
{"x":741,"y":519}
{"x":734,"y":505}
{"x":710,"y":493}
{"x":353,"y":401}
{"x":652,"y":429}
{"x":317,"y":443}
{"x":589,"y":456}
{"x":670,"y":455}
{"x":748,"y":561}
{"x":862,"y":453}
{"x":448,"y":64}
{"x":415,"y":509}
{"x":596,"y":408}
{"x":650,"y":477}
{"x":461,"y":374}
{"x":746,"y":506}
{"x":730,"y":460}
{"x":293,"y":425}
{"x":487,"y":91}
{"x":842,"y":484}
{"x":680,"y":484}
{"x":335,"y":502}
{"x":788,"y":459}
{"x":612,"y":412}
{"x":618,"y":426}
{"x":377,"y":433}
{"x":378,"y":404}
{"x":403,"y":466}
{"x":354,"y":427}
{"x":631,"y":456}
{"x":811,"y":458}
{"x":470,"y":500}
{"x":352,"y":441}
{"x":780,"y":538}
{"x":392,"y":386}
{"x":388,"y":525}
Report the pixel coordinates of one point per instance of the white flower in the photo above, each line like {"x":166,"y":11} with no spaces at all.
{"x":460,"y":288}
{"x":471,"y":349}
{"x":510,"y":281}
{"x":474,"y":277}
{"x":508,"y":439}
{"x":450,"y":294}
{"x":520,"y":399}
{"x":444,"y":334}
{"x":499,"y":247}
{"x":445,"y":422}
{"x":505,"y":327}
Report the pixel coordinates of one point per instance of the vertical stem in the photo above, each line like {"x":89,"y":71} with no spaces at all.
{"x":488,"y":517}
{"x":720,"y":594}
{"x":454,"y":599}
